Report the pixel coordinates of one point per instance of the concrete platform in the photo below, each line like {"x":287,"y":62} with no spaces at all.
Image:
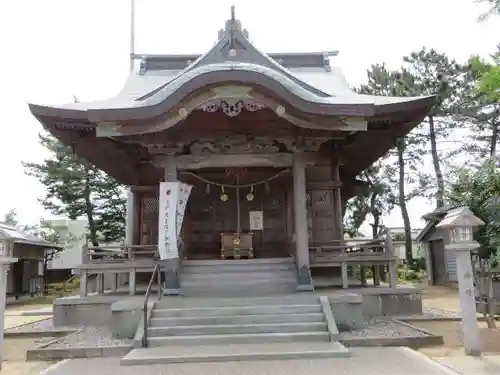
{"x":236,"y":352}
{"x":364,"y":361}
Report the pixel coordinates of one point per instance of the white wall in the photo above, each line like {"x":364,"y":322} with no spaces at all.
{"x":71,"y":256}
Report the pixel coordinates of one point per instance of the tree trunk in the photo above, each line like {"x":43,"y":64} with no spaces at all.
{"x":375,"y":214}
{"x":90,"y":214}
{"x":490,"y":320}
{"x":491,"y":305}
{"x":402,"y":205}
{"x":481,"y":286}
{"x":44,"y":277}
{"x":436,"y":164}
{"x":494,"y":140}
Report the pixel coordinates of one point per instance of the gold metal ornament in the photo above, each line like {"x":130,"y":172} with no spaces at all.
{"x":250,"y":195}
{"x":223,"y":197}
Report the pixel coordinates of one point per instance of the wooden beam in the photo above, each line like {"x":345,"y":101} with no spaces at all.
{"x":189,"y":162}
{"x":323,"y":185}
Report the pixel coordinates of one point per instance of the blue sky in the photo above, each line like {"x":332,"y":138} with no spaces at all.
{"x":55,"y":49}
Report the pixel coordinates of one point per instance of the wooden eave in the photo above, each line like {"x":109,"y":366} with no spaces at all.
{"x":362,"y":149}
{"x":104,"y":153}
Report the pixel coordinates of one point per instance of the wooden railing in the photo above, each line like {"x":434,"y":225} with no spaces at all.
{"x":351,"y":251}
{"x":377,"y":253}
{"x":122,"y":252}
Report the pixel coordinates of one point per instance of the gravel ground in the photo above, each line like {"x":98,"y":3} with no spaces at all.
{"x":93,"y":337}
{"x":383,"y":328}
{"x":89,"y":337}
{"x":432,"y":314}
{"x":40,"y":326}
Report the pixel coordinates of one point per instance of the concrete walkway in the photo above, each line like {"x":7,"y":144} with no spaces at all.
{"x":486,"y":365}
{"x":365,"y":361}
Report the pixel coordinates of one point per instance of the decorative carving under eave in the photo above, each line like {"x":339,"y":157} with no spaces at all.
{"x":312,"y":144}
{"x":234,"y":145}
{"x":169,"y":149}
{"x":83,"y":127}
{"x":231,"y":107}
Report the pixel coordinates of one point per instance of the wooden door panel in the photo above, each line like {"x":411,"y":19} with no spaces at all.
{"x":320,"y":216}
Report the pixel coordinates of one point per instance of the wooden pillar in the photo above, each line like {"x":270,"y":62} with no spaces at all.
{"x":100,"y":283}
{"x":338,"y":220}
{"x":337,"y":203}
{"x":300,"y":223}
{"x":172,"y":266}
{"x":130,"y":220}
{"x":114,"y":282}
{"x":130,"y":216}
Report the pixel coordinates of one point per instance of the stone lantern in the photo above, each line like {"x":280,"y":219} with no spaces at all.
{"x":461,"y":223}
{"x":5,"y":260}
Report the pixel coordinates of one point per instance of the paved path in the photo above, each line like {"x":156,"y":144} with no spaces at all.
{"x":365,"y":361}
{"x":486,"y":365}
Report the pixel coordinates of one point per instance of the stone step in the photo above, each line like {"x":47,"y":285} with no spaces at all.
{"x":235,"y":329}
{"x":236,"y":310}
{"x":236,"y":275}
{"x":237,"y":319}
{"x":235,"y":352}
{"x":232,"y":282}
{"x":245,"y":338}
{"x":210,"y":302}
{"x":237,"y":262}
{"x":263,"y":290}
{"x":242,"y":269}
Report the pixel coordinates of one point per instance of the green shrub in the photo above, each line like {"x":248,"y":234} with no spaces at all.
{"x":406,"y":273}
{"x":418,"y":265}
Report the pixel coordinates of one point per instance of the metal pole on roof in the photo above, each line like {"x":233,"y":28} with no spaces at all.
{"x":132,"y":33}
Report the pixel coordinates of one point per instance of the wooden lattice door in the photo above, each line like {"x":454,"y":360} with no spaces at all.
{"x":206,"y":217}
{"x":321,"y":216}
{"x":149,"y":220}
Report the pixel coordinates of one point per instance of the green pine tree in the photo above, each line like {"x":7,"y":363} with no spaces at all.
{"x":433,"y":73}
{"x":77,"y":189}
{"x":402,"y":169}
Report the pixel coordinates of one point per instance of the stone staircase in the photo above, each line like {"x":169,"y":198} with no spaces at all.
{"x":236,"y":278}
{"x":230,"y":329}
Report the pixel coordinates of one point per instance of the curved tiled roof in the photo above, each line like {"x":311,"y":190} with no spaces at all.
{"x":315,"y":88}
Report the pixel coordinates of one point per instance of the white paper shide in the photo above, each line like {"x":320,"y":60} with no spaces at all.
{"x":256,"y":220}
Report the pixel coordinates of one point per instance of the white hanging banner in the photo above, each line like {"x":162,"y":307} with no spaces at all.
{"x":183,"y":196}
{"x":167,"y":220}
{"x":172,"y":207}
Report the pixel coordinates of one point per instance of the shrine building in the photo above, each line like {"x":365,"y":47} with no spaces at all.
{"x":271,"y":143}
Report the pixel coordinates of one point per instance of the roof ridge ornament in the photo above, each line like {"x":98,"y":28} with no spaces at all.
{"x":232,"y":25}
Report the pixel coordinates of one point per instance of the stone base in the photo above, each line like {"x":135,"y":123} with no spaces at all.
{"x":86,"y":311}
{"x":347,"y":309}
{"x":305,"y":288}
{"x":390,"y":301}
{"x":126,"y":316}
{"x":171,"y":292}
